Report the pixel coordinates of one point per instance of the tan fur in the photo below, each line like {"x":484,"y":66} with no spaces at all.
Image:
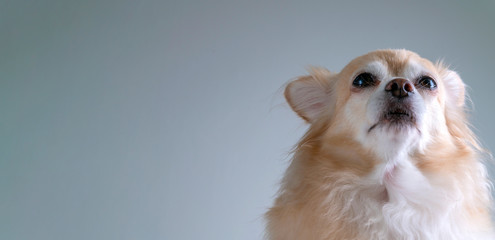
{"x":328,"y":159}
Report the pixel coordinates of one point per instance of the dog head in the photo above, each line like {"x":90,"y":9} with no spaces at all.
{"x":389,"y":102}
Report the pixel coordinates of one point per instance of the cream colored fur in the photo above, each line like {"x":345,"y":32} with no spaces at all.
{"x":350,"y":180}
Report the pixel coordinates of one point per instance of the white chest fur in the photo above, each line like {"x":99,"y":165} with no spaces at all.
{"x":412,"y":207}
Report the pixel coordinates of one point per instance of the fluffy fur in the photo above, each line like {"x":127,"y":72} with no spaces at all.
{"x":363,"y":171}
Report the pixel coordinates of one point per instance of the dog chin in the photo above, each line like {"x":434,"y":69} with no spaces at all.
{"x":397,"y":117}
{"x":398,"y":122}
{"x":394,"y":123}
{"x":397,"y":128}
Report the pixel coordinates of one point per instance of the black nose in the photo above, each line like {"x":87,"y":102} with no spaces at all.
{"x":400,"y":87}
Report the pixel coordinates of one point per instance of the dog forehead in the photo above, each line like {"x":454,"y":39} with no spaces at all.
{"x":396,"y":62}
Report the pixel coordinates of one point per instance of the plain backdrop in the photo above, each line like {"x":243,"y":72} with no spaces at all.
{"x":165,"y":119}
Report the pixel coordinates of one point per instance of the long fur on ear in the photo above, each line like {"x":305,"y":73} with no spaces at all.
{"x":455,"y":87}
{"x":455,"y":107}
{"x":309,"y":95}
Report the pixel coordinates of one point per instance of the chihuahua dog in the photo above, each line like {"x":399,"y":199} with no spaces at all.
{"x":388,"y":155}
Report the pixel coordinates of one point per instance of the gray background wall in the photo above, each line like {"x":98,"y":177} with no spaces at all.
{"x":164,"y":120}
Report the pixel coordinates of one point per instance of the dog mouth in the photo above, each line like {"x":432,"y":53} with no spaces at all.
{"x":397,"y":116}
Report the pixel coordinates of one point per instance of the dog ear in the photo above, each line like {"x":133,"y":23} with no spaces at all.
{"x":455,"y":89}
{"x":455,"y":112}
{"x":309,"y":95}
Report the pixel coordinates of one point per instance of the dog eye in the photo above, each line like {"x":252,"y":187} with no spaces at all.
{"x":363,"y":80}
{"x":427,"y":82}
